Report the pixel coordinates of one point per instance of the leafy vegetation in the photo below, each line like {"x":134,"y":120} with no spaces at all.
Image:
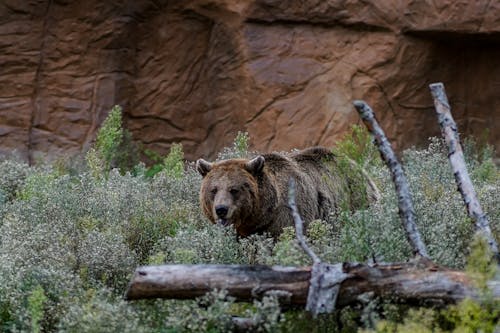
{"x":172,"y":165}
{"x":239,"y":148}
{"x":356,"y":157}
{"x":113,"y":147}
{"x":70,"y":240}
{"x":468,"y":315}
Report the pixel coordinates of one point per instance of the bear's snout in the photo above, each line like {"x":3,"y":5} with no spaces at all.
{"x":221,"y":211}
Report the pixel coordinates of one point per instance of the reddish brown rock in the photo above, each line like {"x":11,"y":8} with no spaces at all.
{"x":198,"y":71}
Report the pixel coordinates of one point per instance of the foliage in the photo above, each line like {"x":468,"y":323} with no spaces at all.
{"x":481,"y":264}
{"x":377,"y":233}
{"x":241,"y":143}
{"x":479,"y":157}
{"x":358,"y":146}
{"x":357,"y":158}
{"x":239,"y":149}
{"x":172,"y":165}
{"x":109,"y":136}
{"x":213,"y":316}
{"x":174,"y":162}
{"x":71,"y":238}
{"x":35,"y":307}
{"x":156,"y":166}
{"x":113,"y":147}
{"x":96,"y":312}
{"x":481,"y":315}
{"x":14,"y":175}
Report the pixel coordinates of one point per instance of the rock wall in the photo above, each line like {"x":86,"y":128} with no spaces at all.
{"x":198,"y":71}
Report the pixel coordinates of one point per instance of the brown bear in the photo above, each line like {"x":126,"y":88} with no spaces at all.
{"x":252,"y":195}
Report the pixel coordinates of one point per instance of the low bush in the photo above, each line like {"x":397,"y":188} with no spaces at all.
{"x":70,"y":241}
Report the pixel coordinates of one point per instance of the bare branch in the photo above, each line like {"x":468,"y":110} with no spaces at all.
{"x":299,"y":230}
{"x":449,"y":131}
{"x":405,"y":204}
{"x":325,"y":278}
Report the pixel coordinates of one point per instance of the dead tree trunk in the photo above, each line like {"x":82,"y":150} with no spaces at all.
{"x":405,"y":204}
{"x":455,"y":154}
{"x":418,"y":282}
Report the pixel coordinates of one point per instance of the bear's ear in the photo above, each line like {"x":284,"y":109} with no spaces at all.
{"x":254,"y":166}
{"x":203,"y":167}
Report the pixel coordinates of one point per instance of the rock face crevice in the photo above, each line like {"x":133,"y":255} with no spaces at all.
{"x":35,"y":103}
{"x":199,"y":71}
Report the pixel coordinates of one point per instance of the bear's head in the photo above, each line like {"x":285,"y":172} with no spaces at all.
{"x":229,"y":192}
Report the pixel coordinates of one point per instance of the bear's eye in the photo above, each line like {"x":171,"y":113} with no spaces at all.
{"x":213,"y":191}
{"x":234,"y":191}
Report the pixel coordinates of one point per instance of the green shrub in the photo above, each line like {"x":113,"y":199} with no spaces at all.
{"x":358,"y":146}
{"x":172,"y":165}
{"x":213,"y":316}
{"x":71,"y":238}
{"x":240,"y":148}
{"x":97,"y":312}
{"x":357,"y":159}
{"x":109,"y":136}
{"x":35,"y":308}
{"x":102,"y":156}
{"x":12,"y":177}
{"x":113,"y":147}
{"x":440,"y":213}
{"x":481,"y":315}
{"x":174,"y":162}
{"x":156,"y":167}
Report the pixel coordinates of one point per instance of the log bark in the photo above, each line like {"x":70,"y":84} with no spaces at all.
{"x":243,"y":282}
{"x":405,"y":204}
{"x":449,"y":132}
{"x":418,"y":282}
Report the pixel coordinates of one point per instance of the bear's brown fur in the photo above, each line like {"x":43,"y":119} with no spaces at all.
{"x":252,"y":194}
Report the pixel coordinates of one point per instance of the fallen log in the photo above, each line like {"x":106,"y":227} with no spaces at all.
{"x":243,"y":282}
{"x":416,"y":282}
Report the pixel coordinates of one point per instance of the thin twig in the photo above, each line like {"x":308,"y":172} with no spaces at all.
{"x":325,"y":278}
{"x":405,"y":205}
{"x":449,"y":132}
{"x":299,"y":230}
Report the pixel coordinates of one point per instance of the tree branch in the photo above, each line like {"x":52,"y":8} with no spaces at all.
{"x":449,"y":132}
{"x":405,"y":204}
{"x":325,"y":278}
{"x":299,"y":230}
